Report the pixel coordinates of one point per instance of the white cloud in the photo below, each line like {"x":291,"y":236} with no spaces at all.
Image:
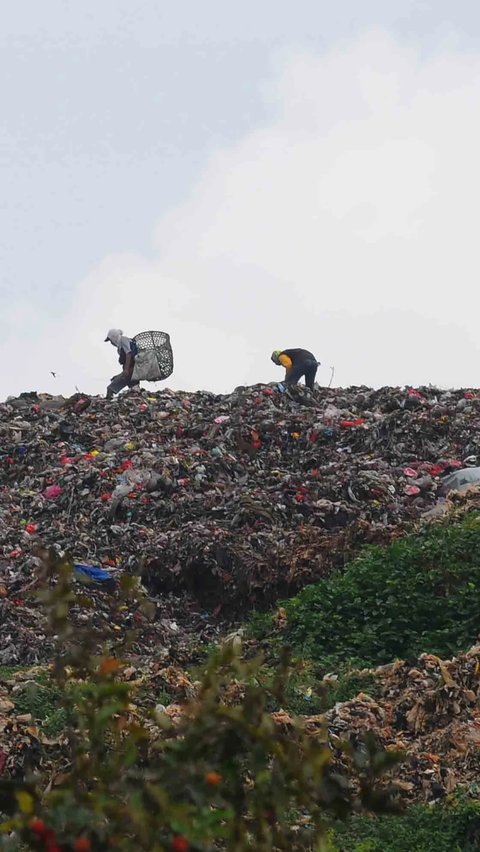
{"x":349,"y":226}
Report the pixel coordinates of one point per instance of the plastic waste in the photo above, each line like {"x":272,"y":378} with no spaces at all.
{"x":52,"y":492}
{"x":461,"y":478}
{"x":194,"y":492}
{"x":91,"y":573}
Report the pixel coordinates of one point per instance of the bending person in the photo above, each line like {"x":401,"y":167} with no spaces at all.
{"x":297,"y":363}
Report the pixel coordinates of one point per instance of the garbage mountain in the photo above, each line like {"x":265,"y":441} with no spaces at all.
{"x":218,"y":504}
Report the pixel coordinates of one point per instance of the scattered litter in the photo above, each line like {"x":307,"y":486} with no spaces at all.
{"x":216,"y":503}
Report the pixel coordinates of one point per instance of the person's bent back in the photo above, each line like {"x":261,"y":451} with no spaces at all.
{"x":297,"y":363}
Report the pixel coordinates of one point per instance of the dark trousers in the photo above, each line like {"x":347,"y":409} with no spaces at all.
{"x":118,"y":383}
{"x":303,"y":368}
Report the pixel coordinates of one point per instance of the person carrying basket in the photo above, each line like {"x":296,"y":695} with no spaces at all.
{"x":146,"y":357}
{"x":127,"y":351}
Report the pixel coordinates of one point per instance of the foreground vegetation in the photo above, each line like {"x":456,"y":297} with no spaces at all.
{"x":452,"y":827}
{"x":220,"y":772}
{"x":420,"y":594}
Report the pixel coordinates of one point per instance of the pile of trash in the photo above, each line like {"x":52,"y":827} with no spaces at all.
{"x":427,"y":710}
{"x":430,"y":711}
{"x":216,"y":503}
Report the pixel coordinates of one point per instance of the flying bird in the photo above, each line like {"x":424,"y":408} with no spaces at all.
{"x":53,"y":374}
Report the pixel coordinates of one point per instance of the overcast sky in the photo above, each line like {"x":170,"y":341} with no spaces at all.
{"x":246,"y":176}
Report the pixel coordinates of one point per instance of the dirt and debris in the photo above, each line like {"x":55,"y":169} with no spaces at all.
{"x":428,"y":709}
{"x":431,"y":711}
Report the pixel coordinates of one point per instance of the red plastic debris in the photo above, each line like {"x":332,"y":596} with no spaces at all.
{"x":412,"y":490}
{"x":52,"y":492}
{"x":256,"y":442}
{"x":457,"y":465}
{"x":346,"y":424}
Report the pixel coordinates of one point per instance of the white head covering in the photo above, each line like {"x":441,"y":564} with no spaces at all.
{"x":115,"y":335}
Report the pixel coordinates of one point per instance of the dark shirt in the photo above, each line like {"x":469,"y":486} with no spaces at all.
{"x":298,"y":356}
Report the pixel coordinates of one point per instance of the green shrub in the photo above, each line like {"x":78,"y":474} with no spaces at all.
{"x":43,"y":700}
{"x":418,"y":594}
{"x":349,"y":685}
{"x":306,"y":694}
{"x":454,"y":827}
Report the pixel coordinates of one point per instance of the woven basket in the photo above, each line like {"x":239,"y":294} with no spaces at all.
{"x":157,"y":342}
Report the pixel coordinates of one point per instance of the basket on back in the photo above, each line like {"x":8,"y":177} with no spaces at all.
{"x":154,"y":358}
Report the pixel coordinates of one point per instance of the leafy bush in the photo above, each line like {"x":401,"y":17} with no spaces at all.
{"x":225,"y":775}
{"x":306,"y":694}
{"x":418,"y":594}
{"x":454,"y":827}
{"x":349,"y":685}
{"x":43,"y":700}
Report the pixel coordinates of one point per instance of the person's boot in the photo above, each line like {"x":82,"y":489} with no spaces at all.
{"x":109,"y":394}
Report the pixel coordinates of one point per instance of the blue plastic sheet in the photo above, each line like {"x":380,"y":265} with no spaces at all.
{"x":91,"y":573}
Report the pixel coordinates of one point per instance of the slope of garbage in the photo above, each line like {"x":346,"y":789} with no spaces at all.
{"x":217,"y":503}
{"x":427,"y":709}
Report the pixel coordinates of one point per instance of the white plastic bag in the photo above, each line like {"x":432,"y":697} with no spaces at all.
{"x":146,"y":367}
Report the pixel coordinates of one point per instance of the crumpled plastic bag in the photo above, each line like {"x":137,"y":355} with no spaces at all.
{"x":147,"y":367}
{"x":91,"y":573}
{"x":460,"y":478}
